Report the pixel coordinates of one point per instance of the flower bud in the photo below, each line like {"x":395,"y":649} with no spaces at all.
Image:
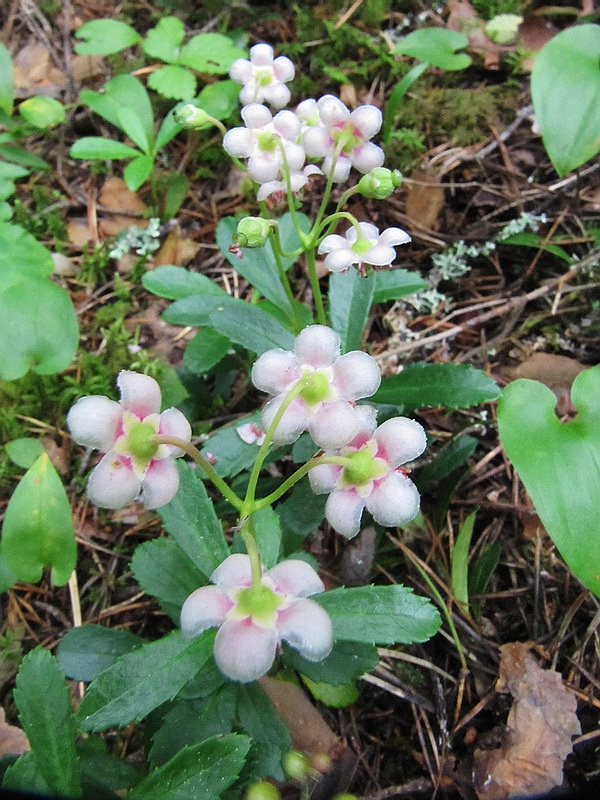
{"x":252,"y":232}
{"x":380,"y":182}
{"x":190,"y":116}
{"x":296,"y":765}
{"x":263,"y":790}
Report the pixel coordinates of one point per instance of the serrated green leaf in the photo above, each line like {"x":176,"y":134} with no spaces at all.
{"x":333,"y":696}
{"x":268,"y":535}
{"x":191,"y":520}
{"x":138,"y":171}
{"x":559,"y":465}
{"x":565,"y":90}
{"x":38,"y":329}
{"x":205,"y":350}
{"x":176,"y":283}
{"x":164,"y":571}
{"x":25,"y":451}
{"x":24,"y":775}
{"x":142,"y":680}
{"x":6,"y":81}
{"x":164,"y":40}
{"x":173,"y":82}
{"x":259,"y":719}
{"x":42,"y":112}
{"x":90,"y":147}
{"x":203,"y":771}
{"x":102,"y":772}
{"x":350,"y":298}
{"x":346,"y":662}
{"x":38,"y":526}
{"x":380,"y":614}
{"x":303,"y":511}
{"x":44,"y":702}
{"x":396,"y":283}
{"x":105,"y":36}
{"x":86,"y":651}
{"x":437,"y":46}
{"x":444,"y":385}
{"x":210,"y":52}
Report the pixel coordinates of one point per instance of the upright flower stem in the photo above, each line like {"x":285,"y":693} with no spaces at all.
{"x":311,"y":264}
{"x":248,"y":534}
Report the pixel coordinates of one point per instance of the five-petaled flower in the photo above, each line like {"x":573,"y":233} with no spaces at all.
{"x":253,"y":620}
{"x":263,"y":76}
{"x":370,"y":247}
{"x":373,"y":477}
{"x":331,"y":385}
{"x":134,"y":467}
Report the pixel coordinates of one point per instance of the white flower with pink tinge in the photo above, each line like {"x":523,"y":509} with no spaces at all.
{"x":332,"y":383}
{"x":278,"y":189}
{"x":342,"y":131}
{"x":262,"y":140}
{"x":370,"y":247}
{"x":134,"y":467}
{"x":263,"y":76}
{"x":374,"y":478}
{"x":253,"y":621}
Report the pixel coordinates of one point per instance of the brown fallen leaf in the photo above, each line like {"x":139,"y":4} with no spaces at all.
{"x":554,"y":371}
{"x":464,"y":18}
{"x":534,"y":32}
{"x":424,"y":199}
{"x":35,"y":72}
{"x":116,"y":196}
{"x":540,"y":725}
{"x":175,"y":250}
{"x":12,"y":739}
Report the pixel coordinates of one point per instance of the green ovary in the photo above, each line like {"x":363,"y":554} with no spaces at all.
{"x":260,"y":603}
{"x":267,"y":142}
{"x":140,"y":441}
{"x":317,"y":388}
{"x":347,"y":138}
{"x":361,"y":246}
{"x":365,"y":467}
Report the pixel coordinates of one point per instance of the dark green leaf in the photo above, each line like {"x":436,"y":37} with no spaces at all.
{"x":346,"y":662}
{"x":205,"y":350}
{"x":350,"y":298}
{"x":529,"y":239}
{"x":44,"y":702}
{"x":24,"y":157}
{"x":249,"y":326}
{"x":102,"y":771}
{"x":395,"y":283}
{"x":445,"y":385}
{"x":460,"y":560}
{"x":380,"y":614}
{"x":88,"y":650}
{"x":176,"y":283}
{"x":268,"y":534}
{"x":449,"y":458}
{"x":259,"y":719}
{"x":142,"y":680}
{"x":333,"y":696}
{"x":104,"y":36}
{"x":194,"y":309}
{"x":233,"y":455}
{"x":24,"y":775}
{"x":303,"y":511}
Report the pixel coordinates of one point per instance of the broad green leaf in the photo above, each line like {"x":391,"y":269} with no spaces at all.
{"x":192,"y":721}
{"x":24,"y":452}
{"x":86,"y":651}
{"x":303,"y":511}
{"x":175,"y":283}
{"x":232,"y":454}
{"x":191,"y":520}
{"x":104,"y":36}
{"x":529,"y":239}
{"x":129,"y":92}
{"x":164,"y":40}
{"x":350,"y":298}
{"x":164,"y":571}
{"x":38,"y":526}
{"x":142,"y":680}
{"x":38,"y":329}
{"x":558,"y":463}
{"x":23,"y":157}
{"x":249,"y":326}
{"x":205,"y":350}
{"x":21,"y":256}
{"x":210,"y":52}
{"x":203,"y":771}
{"x":395,"y":283}
{"x":333,"y":696}
{"x":42,"y":112}
{"x":91,"y":147}
{"x":346,"y":662}
{"x":444,"y":385}
{"x":176,"y":187}
{"x":437,"y":46}
{"x":6,"y":81}
{"x":459,"y":560}
{"x":102,"y":104}
{"x":24,"y":775}
{"x":168,"y":130}
{"x":138,"y":171}
{"x":194,"y":310}
{"x":219,"y":99}
{"x":173,"y":82}
{"x":102,"y":772}
{"x":447,"y":460}
{"x":44,"y":702}
{"x":131,"y":125}
{"x":565,"y":90}
{"x":259,"y":719}
{"x":380,"y":614}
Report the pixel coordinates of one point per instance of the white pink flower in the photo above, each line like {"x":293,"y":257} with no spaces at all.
{"x":263,"y":76}
{"x":342,"y":131}
{"x":253,"y":621}
{"x":374,"y":478}
{"x":278,"y":188}
{"x":332,"y":383}
{"x":134,"y":467}
{"x":370,"y":247}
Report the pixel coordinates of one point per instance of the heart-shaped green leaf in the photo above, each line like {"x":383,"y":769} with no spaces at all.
{"x":559,"y":463}
{"x":565,"y":90}
{"x":437,"y":46}
{"x":104,"y":36}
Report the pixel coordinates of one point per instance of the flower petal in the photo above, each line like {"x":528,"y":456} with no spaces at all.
{"x":317,"y":345}
{"x":241,"y":70}
{"x":283,"y":69}
{"x":367,"y":119}
{"x":394,"y":501}
{"x":205,"y":608}
{"x":261,"y":54}
{"x":277,"y":94}
{"x":341,"y":169}
{"x":379,"y":256}
{"x":394,"y":237}
{"x":333,"y":242}
{"x":234,"y":572}
{"x":113,"y":483}
{"x":332,"y":110}
{"x":334,"y":425}
{"x":306,"y":626}
{"x":93,"y":421}
{"x":323,"y":478}
{"x":293,"y":422}
{"x":287,"y":125}
{"x":160,"y":483}
{"x":255,"y":115}
{"x":316,"y":142}
{"x":340,"y":260}
{"x":244,"y":651}
{"x":140,"y":393}
{"x":344,"y":510}
{"x":173,"y":423}
{"x":356,"y":375}
{"x":239,"y":142}
{"x":367,"y":157}
{"x":274,"y":371}
{"x":368,"y":230}
{"x":295,"y":577}
{"x":402,"y":439}
{"x":263,"y":167}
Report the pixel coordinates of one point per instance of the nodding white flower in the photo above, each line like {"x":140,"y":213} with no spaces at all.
{"x":253,"y":621}
{"x":250,"y":433}
{"x":134,"y":467}
{"x":278,"y":189}
{"x":332,"y":383}
{"x":263,"y":76}
{"x":370,"y":247}
{"x":262,"y":140}
{"x":342,"y":131}
{"x":374,"y":479}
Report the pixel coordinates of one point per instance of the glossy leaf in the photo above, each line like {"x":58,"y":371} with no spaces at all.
{"x":346,"y":662}
{"x":38,"y":527}
{"x":559,"y":465}
{"x":86,"y":651}
{"x":104,"y":36}
{"x":437,"y":46}
{"x":350,"y":298}
{"x":259,"y":718}
{"x":333,"y":696}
